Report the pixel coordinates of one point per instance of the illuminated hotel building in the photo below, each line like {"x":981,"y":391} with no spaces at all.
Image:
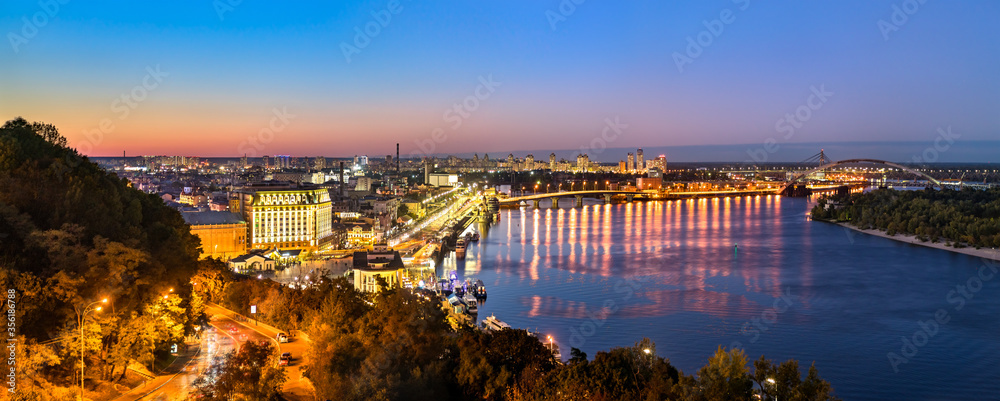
{"x":286,"y":218}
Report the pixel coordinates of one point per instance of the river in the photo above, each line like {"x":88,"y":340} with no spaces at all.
{"x":752,"y":272}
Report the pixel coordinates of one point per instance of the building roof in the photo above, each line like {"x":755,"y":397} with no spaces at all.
{"x":363,"y":260}
{"x":206,"y":218}
{"x":244,"y":258}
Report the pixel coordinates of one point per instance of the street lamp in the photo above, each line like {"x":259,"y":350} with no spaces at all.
{"x":83,"y":316}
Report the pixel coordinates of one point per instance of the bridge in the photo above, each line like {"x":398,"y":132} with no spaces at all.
{"x":789,"y":187}
{"x":579,"y":195}
{"x":629,"y":195}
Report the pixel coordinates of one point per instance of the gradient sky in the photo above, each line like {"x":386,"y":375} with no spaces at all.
{"x":557,"y":87}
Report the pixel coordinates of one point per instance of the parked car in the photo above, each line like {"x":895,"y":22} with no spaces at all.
{"x":282,"y":338}
{"x":286,"y":359}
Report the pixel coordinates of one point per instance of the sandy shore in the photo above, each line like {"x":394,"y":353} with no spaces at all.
{"x":984,"y":253}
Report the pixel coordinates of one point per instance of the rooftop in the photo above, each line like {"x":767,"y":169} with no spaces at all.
{"x":207,"y":218}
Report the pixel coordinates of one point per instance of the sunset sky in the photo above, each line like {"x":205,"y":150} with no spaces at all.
{"x":224,"y":70}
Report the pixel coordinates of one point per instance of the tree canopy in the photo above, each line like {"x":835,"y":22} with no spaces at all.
{"x":969,"y":217}
{"x":72,"y":235}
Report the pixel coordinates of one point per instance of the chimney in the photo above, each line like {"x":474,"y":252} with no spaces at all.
{"x":397,"y":158}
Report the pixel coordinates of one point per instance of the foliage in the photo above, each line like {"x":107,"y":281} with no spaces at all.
{"x":969,"y":216}
{"x":73,"y":234}
{"x":250,"y":373}
{"x":394,"y":345}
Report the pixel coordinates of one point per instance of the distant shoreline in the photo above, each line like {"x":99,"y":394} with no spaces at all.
{"x":993,"y":254}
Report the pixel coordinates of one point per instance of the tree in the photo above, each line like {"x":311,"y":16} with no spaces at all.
{"x":725,"y":377}
{"x":783,"y":382}
{"x":250,"y":373}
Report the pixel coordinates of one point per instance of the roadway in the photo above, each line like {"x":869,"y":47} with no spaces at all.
{"x":177,"y":381}
{"x":297,"y":387}
{"x":215,"y":341}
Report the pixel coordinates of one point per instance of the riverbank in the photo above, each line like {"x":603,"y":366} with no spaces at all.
{"x":993,"y":254}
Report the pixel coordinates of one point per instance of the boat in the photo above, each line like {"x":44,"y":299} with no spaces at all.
{"x":474,"y":237}
{"x":472,"y":304}
{"x":479,"y":289}
{"x":460,"y":249}
{"x":493,"y":324}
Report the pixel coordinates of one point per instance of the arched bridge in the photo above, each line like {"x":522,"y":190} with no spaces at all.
{"x":579,"y":195}
{"x":799,"y":177}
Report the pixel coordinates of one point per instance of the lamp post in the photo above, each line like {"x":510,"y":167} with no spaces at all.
{"x":83,"y":316}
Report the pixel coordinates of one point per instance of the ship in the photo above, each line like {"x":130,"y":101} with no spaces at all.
{"x":460,"y":249}
{"x":493,"y":324}
{"x":472,"y":304}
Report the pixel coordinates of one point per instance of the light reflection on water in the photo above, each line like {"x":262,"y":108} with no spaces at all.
{"x":691,"y":274}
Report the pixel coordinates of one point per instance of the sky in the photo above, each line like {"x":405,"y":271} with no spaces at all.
{"x":335,"y":78}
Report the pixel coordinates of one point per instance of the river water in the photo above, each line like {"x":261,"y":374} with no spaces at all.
{"x":752,"y":272}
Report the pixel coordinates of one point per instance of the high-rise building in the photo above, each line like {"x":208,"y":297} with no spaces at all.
{"x":428,"y":169}
{"x":640,"y":164}
{"x":282,"y":161}
{"x":267,"y":162}
{"x":631,"y":163}
{"x":529,"y":162}
{"x":583,"y":162}
{"x":285,"y":218}
{"x":660,"y":162}
{"x":622,"y":167}
{"x":319,"y":162}
{"x":552,"y":162}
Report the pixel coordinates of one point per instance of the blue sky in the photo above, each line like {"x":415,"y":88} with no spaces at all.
{"x":556,"y":87}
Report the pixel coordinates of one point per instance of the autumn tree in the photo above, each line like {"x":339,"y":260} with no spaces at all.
{"x":250,"y":373}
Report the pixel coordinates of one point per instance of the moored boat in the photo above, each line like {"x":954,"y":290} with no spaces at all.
{"x":491,"y":323}
{"x":472,"y":304}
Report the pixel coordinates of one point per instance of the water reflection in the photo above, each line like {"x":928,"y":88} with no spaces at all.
{"x":690,"y":274}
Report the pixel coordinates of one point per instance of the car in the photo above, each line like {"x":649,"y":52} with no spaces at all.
{"x":286,"y":359}
{"x":282,"y":338}
{"x":233,"y":330}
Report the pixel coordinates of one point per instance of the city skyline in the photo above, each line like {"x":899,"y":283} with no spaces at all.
{"x":545,"y":76}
